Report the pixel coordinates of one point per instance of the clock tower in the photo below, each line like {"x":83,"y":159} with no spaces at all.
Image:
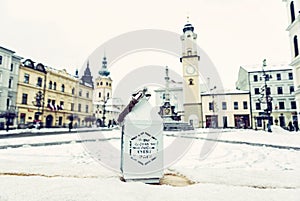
{"x":191,"y":86}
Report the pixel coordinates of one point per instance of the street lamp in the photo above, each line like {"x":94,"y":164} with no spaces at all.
{"x":38,"y":102}
{"x":268,"y":98}
{"x":104,"y":111}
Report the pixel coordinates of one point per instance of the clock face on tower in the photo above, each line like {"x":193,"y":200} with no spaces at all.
{"x":190,"y":70}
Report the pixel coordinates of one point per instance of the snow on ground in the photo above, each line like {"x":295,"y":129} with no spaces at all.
{"x":43,"y":130}
{"x":229,"y":172}
{"x":279,"y":136}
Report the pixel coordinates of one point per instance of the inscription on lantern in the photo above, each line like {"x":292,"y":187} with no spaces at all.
{"x":143,"y":148}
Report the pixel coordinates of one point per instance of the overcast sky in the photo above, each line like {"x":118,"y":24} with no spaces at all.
{"x":62,"y":34}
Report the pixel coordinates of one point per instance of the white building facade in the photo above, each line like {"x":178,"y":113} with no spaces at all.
{"x":279,"y":86}
{"x":9,"y":69}
{"x":293,"y":9}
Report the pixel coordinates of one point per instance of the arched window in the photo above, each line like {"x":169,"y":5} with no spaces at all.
{"x":62,"y":88}
{"x":50,"y":85}
{"x":292,"y":9}
{"x":296,"y":49}
{"x":191,"y":81}
{"x":107,"y":95}
{"x":101,"y":83}
{"x":54,"y":86}
{"x":73,"y":91}
{"x":99,"y":94}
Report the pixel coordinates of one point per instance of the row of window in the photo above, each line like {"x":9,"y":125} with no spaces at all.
{"x":52,"y":85}
{"x":80,"y":107}
{"x":281,"y":105}
{"x":107,"y":95}
{"x":101,"y":84}
{"x":278,"y":77}
{"x":39,"y":82}
{"x":212,"y":105}
{"x":268,"y":90}
{"x":52,"y":104}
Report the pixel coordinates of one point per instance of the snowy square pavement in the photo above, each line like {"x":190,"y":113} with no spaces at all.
{"x":243,"y":165}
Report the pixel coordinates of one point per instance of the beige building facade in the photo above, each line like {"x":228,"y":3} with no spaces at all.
{"x":226,"y":109}
{"x":52,"y":97}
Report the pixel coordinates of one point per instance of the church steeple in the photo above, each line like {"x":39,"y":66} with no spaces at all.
{"x":87,"y":71}
{"x":103,"y":93}
{"x":87,"y":76}
{"x":104,"y":71}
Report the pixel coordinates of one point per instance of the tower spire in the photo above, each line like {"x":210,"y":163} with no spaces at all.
{"x":188,"y":26}
{"x":103,"y":71}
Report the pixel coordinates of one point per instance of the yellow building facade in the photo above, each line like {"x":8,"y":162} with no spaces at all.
{"x":52,"y":97}
{"x":31,"y":82}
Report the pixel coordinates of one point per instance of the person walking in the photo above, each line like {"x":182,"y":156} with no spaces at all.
{"x":7,"y":125}
{"x":70,"y":126}
{"x":296,"y":125}
{"x":290,"y":126}
{"x":109,"y":123}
